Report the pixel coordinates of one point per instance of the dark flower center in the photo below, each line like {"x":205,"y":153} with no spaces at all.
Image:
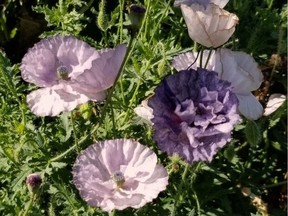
{"x":118,"y":178}
{"x":62,"y":72}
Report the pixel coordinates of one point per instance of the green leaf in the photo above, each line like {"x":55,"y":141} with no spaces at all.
{"x":252,"y":132}
{"x":58,"y":165}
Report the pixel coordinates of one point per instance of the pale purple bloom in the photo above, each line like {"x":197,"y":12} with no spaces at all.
{"x":194,"y":114}
{"x":117,"y":174}
{"x":274,"y":102}
{"x":69,"y":72}
{"x":220,"y":3}
{"x":239,"y":68}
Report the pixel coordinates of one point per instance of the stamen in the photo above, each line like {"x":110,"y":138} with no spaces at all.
{"x":62,"y":72}
{"x":118,"y":178}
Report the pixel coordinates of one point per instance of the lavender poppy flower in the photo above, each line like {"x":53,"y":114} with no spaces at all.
{"x":69,"y":72}
{"x":117,"y":174}
{"x":239,"y":68}
{"x":194,"y":114}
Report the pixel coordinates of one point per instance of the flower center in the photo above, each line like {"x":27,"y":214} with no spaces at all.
{"x":62,"y":72}
{"x":118,"y":178}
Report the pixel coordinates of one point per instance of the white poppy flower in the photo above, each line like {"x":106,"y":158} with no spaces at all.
{"x":210,"y":26}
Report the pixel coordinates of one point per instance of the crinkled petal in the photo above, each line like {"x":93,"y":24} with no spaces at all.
{"x":185,"y":60}
{"x":249,"y":106}
{"x":38,"y":67}
{"x":103,"y":72}
{"x":194,"y":114}
{"x":241,"y":70}
{"x":211,"y":27}
{"x":51,"y":101}
{"x":274,"y":102}
{"x":75,"y":54}
{"x":95,"y":166}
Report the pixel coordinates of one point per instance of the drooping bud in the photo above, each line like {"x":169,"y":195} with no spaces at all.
{"x":136,"y":15}
{"x":33,"y":182}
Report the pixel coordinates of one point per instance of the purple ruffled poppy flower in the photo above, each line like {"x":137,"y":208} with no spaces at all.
{"x":239,"y":68}
{"x":69,"y":72}
{"x":117,"y":174}
{"x":194,"y":113}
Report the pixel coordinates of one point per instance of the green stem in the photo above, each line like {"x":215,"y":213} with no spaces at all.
{"x":275,"y":185}
{"x":179,"y":192}
{"x":209,"y":55}
{"x":159,"y":21}
{"x":195,"y":46}
{"x":120,"y":26}
{"x":135,"y":93}
{"x":201,"y":57}
{"x":193,"y":177}
{"x":74,"y":132}
{"x":113,"y":120}
{"x":279,"y":46}
{"x":109,"y":96}
{"x":30,"y":204}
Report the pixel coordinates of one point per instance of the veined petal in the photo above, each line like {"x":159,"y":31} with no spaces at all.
{"x":241,"y":70}
{"x":104,"y":70}
{"x":185,"y":60}
{"x":139,"y":178}
{"x":249,"y":106}
{"x":210,"y":26}
{"x":38,"y":67}
{"x":50,"y":101}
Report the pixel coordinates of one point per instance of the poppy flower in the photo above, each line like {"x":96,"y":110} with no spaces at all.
{"x":117,"y":174}
{"x":209,"y":25}
{"x":69,"y":72}
{"x":194,"y":114}
{"x":239,"y":68}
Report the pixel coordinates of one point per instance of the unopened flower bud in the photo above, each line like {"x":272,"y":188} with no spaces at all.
{"x":33,"y":182}
{"x":136,"y":15}
{"x":102,"y":20}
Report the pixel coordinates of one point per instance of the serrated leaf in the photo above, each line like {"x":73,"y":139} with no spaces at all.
{"x":252,"y":132}
{"x":53,"y":190}
{"x":58,"y":165}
